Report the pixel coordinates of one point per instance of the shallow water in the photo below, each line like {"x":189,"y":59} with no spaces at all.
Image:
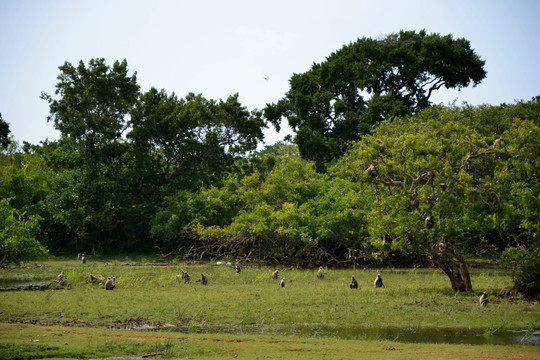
{"x":23,"y":285}
{"x":437,"y":335}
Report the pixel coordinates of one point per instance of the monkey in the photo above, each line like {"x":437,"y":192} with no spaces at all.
{"x":429,"y":222}
{"x":93,"y":279}
{"x":507,"y":292}
{"x":386,"y":239}
{"x":101,"y":280}
{"x":483,"y":299}
{"x":432,"y":199}
{"x":79,"y":256}
{"x":342,"y":146}
{"x":469,"y":167}
{"x":204,"y":279}
{"x":83,"y":259}
{"x":282,"y":282}
{"x":184,"y":276}
{"x":371,"y":171}
{"x":443,"y":186}
{"x":494,"y":198}
{"x":109,"y":283}
{"x":411,"y":235}
{"x":320,"y":273}
{"x":378,"y":282}
{"x":60,"y":278}
{"x":275,"y":274}
{"x":381,"y":143}
{"x":430,"y":176}
{"x":354,"y":283}
{"x":415,"y":202}
{"x":237,"y":268}
{"x":497,"y":142}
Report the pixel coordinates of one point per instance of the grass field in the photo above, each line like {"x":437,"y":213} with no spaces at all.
{"x":249,"y":315}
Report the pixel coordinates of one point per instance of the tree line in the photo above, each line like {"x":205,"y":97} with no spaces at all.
{"x":373,"y":173}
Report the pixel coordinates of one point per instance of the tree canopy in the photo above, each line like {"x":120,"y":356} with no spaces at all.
{"x":136,"y":170}
{"x":4,"y":133}
{"x":122,"y":151}
{"x":368,"y":81}
{"x":437,"y":185}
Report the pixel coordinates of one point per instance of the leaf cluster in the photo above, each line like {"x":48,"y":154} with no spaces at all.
{"x":365,"y":82}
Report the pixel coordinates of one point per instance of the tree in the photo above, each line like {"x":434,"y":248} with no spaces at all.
{"x":186,"y":143}
{"x":446,"y":180}
{"x":4,"y":133}
{"x":94,"y":103}
{"x":342,"y":98}
{"x":89,"y":195}
{"x":18,"y":236}
{"x":275,"y":208}
{"x":271,"y":222}
{"x":121,"y":152}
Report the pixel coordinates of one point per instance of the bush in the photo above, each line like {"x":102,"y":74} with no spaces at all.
{"x":525,"y":265}
{"x":18,"y":233}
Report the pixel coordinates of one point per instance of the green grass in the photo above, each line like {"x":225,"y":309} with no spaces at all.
{"x":148,"y":294}
{"x":32,"y":341}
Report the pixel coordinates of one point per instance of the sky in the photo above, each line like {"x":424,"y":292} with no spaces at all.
{"x":220,"y":48}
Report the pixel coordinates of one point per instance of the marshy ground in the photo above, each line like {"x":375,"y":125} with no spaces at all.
{"x":247,"y":315}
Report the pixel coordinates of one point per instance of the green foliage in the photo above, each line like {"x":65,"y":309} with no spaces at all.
{"x":93,"y":104}
{"x":122,"y":153}
{"x":365,"y":82}
{"x":490,"y":191}
{"x":189,"y":142}
{"x":18,"y":234}
{"x":483,"y":196}
{"x":4,"y":133}
{"x":279,"y":206}
{"x":22,"y":177}
{"x":525,"y":265}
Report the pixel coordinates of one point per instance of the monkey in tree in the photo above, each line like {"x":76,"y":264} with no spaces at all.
{"x":371,"y":171}
{"x":415,"y":202}
{"x":432,"y":199}
{"x":494,"y":199}
{"x":429,"y":222}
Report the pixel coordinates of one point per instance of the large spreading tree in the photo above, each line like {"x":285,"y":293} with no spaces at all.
{"x":449,"y":180}
{"x":340,"y":99}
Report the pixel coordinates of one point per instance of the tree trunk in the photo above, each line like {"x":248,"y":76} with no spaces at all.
{"x":449,"y":259}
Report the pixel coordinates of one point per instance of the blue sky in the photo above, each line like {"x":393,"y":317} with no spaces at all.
{"x":219,"y":48}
